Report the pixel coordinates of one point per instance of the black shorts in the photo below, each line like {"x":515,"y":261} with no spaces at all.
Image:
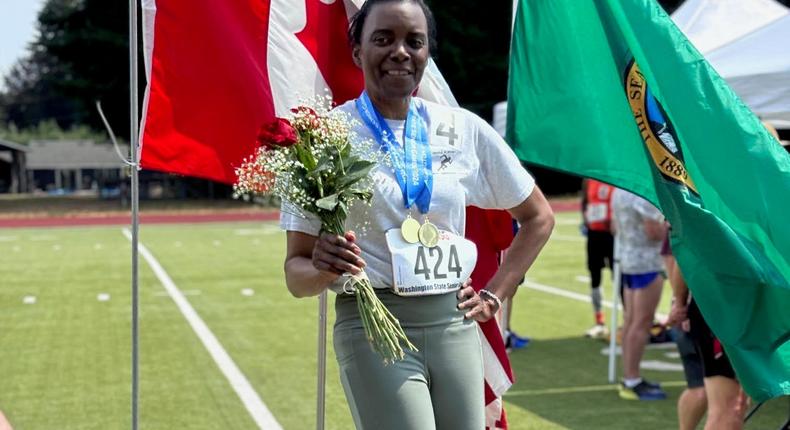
{"x":692,"y":362}
{"x":600,"y":250}
{"x":714,"y":360}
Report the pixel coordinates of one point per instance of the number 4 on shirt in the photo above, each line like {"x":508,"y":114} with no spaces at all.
{"x":449,"y":132}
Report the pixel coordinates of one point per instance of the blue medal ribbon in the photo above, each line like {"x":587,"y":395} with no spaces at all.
{"x":412,"y":164}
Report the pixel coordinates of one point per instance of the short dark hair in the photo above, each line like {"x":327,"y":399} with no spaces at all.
{"x":359,"y":18}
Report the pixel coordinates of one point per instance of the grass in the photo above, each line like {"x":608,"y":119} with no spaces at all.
{"x":64,"y":361}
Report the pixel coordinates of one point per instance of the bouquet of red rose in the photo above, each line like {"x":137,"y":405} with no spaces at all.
{"x":313,"y":164}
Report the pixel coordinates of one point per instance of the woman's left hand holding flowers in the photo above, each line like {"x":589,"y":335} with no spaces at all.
{"x":338,"y":254}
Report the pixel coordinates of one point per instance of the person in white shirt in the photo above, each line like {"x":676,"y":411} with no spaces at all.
{"x":639,"y":233}
{"x":466,"y":163}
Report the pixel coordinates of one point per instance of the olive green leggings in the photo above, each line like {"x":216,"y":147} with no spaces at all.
{"x":438,"y":387}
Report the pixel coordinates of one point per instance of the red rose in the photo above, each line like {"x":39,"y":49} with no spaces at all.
{"x":277,"y":133}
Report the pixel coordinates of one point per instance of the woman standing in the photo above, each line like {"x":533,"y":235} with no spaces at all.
{"x":411,"y":246}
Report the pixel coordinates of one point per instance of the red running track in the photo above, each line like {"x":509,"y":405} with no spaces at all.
{"x":177,"y":218}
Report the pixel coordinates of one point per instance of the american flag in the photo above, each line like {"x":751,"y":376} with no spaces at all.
{"x":492,"y":232}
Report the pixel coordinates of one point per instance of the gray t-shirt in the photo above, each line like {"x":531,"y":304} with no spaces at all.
{"x":472,"y":166}
{"x":638,"y":253}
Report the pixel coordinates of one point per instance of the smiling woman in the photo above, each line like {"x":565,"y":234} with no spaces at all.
{"x":410,"y":240}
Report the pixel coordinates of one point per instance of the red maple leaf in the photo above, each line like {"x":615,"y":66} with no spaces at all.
{"x":324,"y":36}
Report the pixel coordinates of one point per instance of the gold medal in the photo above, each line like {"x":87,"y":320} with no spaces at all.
{"x":410,"y":230}
{"x":428,"y":234}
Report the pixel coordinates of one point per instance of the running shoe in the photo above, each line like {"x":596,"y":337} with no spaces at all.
{"x":652,"y":384}
{"x":597,"y":331}
{"x":642,"y":391}
{"x":514,"y":341}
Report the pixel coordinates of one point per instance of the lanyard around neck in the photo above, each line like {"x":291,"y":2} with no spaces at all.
{"x":412,"y":163}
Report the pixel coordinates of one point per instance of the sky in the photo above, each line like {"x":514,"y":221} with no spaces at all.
{"x":17,"y":30}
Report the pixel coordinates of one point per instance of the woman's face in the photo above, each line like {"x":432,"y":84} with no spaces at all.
{"x":393,"y":50}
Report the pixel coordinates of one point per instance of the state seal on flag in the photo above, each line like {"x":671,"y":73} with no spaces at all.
{"x":656,"y":129}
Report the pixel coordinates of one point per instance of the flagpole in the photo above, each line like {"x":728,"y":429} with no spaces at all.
{"x":513,"y":17}
{"x":321,"y":391}
{"x":135,"y":179}
{"x":616,"y":286}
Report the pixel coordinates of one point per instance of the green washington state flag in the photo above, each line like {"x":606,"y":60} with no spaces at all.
{"x":612,"y":90}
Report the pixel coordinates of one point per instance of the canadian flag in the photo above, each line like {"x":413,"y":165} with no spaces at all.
{"x":218,"y":69}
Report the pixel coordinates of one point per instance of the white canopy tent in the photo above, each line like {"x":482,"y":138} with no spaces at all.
{"x":744,"y":40}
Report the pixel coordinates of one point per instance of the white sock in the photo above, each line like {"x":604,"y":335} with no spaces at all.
{"x":631,"y":382}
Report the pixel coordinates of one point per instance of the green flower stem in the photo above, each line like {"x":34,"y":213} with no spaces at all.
{"x":320,"y":184}
{"x":382,"y":329}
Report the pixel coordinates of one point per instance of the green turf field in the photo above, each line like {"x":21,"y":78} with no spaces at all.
{"x":65,"y":359}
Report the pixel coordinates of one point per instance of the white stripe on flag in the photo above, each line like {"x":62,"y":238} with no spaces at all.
{"x":493,"y":413}
{"x":494,"y":372}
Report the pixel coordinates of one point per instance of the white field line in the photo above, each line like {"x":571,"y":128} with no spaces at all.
{"x":650,"y":346}
{"x":582,"y":389}
{"x":572,"y":295}
{"x":567,"y":221}
{"x":255,"y":406}
{"x":44,"y":237}
{"x":264,"y":230}
{"x":568,"y":238}
{"x":184,"y":292}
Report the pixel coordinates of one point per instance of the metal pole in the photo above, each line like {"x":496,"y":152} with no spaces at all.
{"x":616,"y":285}
{"x":504,"y":315}
{"x":513,"y":17}
{"x":321,"y":391}
{"x":133,"y":139}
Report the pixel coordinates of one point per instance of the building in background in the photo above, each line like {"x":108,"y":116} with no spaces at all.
{"x":13,"y":176}
{"x":68,"y":166}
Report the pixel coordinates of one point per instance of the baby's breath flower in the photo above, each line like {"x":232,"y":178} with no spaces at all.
{"x":301,"y":177}
{"x":312,"y":169}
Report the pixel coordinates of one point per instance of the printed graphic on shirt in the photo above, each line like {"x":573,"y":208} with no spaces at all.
{"x":445,"y":144}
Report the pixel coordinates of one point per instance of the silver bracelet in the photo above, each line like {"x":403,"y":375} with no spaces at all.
{"x":491,"y":296}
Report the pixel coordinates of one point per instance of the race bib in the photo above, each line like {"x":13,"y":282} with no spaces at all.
{"x":595,"y":212}
{"x":421,"y":271}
